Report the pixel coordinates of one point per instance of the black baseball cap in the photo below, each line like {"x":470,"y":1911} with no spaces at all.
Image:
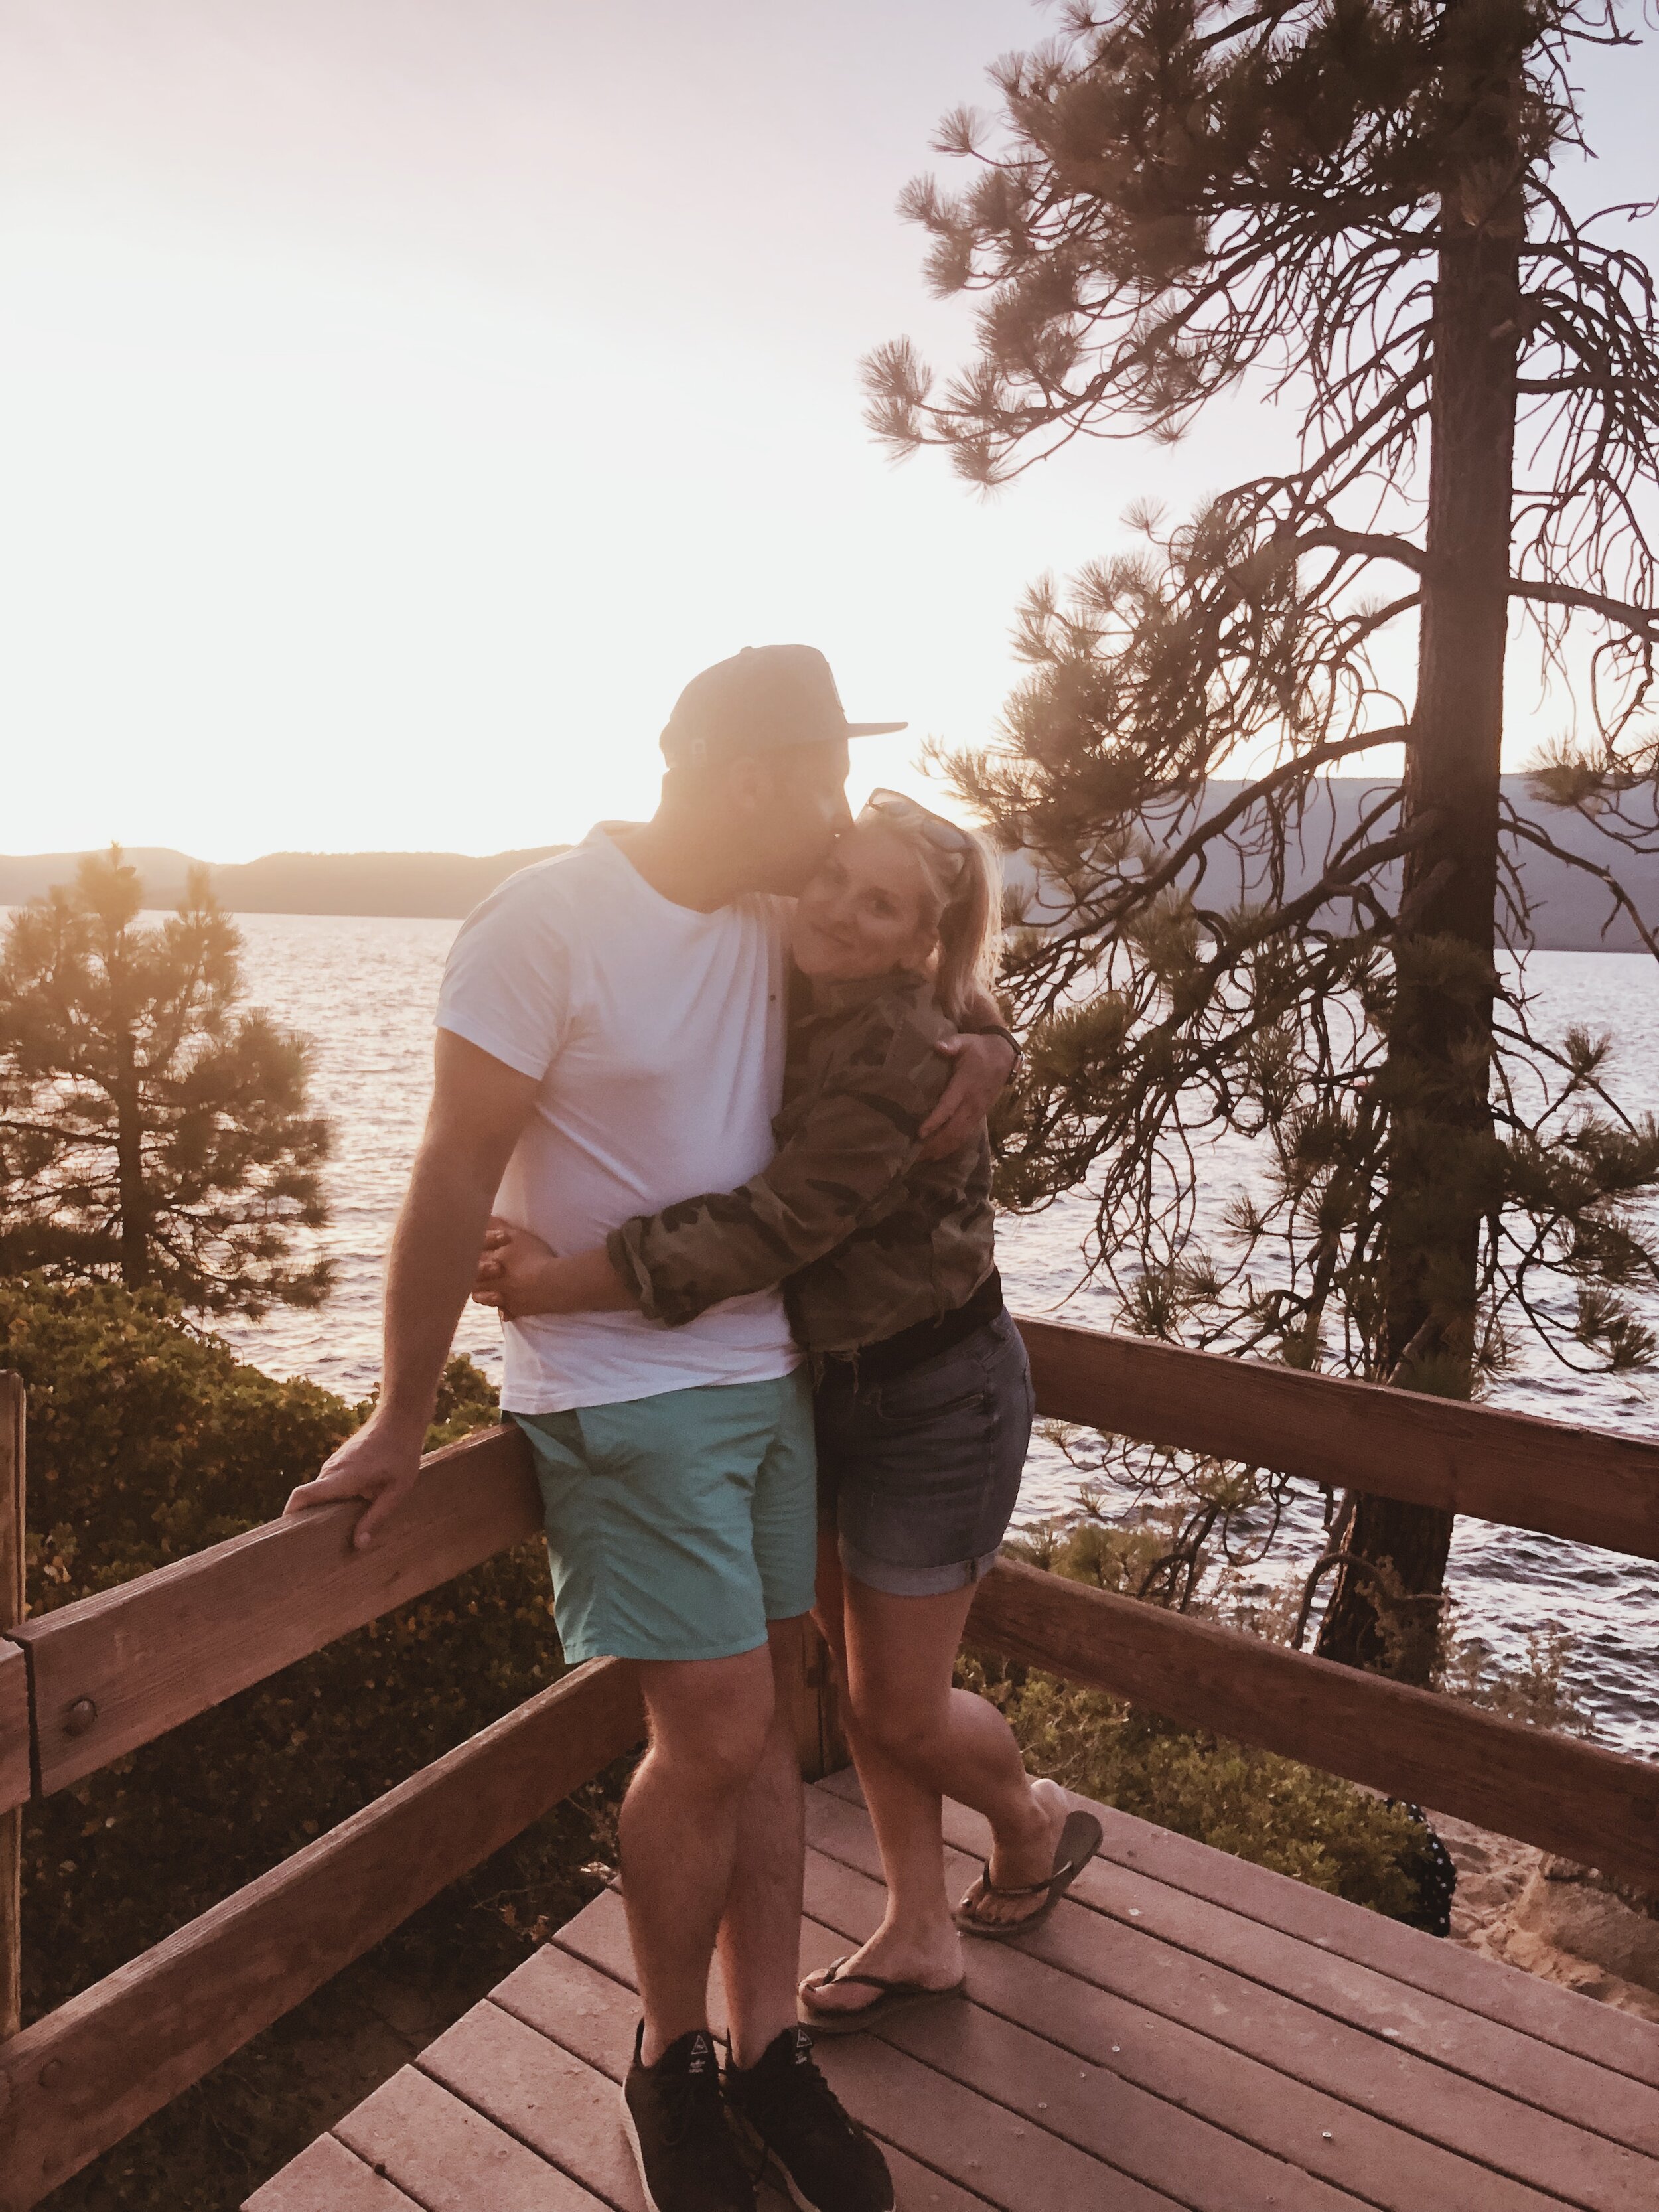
{"x":768,"y":698}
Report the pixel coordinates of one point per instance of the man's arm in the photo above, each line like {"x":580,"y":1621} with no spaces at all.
{"x":479,"y":1107}
{"x":852,"y":1144}
{"x":983,"y":1064}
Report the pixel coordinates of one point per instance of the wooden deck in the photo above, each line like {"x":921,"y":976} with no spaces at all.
{"x":1187,"y":2030}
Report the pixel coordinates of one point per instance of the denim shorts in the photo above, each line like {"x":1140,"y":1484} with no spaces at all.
{"x":920,"y":1474}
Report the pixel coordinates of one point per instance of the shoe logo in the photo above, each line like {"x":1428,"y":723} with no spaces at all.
{"x":700,"y":2056}
{"x":803,"y":2048}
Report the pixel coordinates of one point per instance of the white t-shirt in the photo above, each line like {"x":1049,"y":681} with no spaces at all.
{"x":657,"y":1036}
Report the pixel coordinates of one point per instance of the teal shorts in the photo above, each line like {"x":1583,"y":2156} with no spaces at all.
{"x":679,"y":1526}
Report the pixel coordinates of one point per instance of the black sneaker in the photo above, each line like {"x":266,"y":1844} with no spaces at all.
{"x":682,"y":2142}
{"x":788,"y":2108}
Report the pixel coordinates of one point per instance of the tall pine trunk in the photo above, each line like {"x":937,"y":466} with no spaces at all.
{"x":1442,"y":1159}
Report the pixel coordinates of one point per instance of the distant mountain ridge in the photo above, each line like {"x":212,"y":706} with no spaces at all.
{"x":440,"y":885}
{"x":1571,"y":911}
{"x":1568,"y":907}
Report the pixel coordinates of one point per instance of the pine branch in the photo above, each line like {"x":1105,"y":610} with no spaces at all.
{"x":1641,"y":622}
{"x":1621,"y":899}
{"x":1363,"y":545}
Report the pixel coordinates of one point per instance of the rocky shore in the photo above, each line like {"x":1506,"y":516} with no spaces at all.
{"x":1566,"y":1923}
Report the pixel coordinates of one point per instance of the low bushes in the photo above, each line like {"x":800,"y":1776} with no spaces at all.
{"x":1252,"y":1803}
{"x":149,"y":1440}
{"x":1255,"y":1804}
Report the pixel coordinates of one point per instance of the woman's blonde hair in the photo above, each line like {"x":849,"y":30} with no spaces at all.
{"x":963,"y":878}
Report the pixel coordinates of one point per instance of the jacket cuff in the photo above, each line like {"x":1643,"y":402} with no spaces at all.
{"x":622,"y":1251}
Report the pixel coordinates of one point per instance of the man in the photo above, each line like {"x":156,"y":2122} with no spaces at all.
{"x":611,"y":1037}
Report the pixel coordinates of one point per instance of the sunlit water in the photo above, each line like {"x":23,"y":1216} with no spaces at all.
{"x":364,"y":989}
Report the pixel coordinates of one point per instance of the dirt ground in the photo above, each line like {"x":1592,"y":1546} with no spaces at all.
{"x":1564,"y":1923}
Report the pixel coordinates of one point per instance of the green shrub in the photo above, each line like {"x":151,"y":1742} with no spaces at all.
{"x":1253,"y":1804}
{"x":149,"y":1440}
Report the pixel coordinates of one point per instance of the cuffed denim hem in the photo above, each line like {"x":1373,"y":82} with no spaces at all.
{"x":912,"y":1582}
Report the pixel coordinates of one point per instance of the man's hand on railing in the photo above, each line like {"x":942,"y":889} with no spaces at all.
{"x":379,"y":1464}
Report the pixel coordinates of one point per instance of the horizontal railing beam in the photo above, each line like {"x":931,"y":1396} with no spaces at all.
{"x":1553,"y":1790}
{"x":1586,"y":1484}
{"x":114,"y":1671}
{"x":79,"y":2080}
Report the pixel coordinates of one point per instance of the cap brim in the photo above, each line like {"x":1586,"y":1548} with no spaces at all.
{"x":874,"y":729}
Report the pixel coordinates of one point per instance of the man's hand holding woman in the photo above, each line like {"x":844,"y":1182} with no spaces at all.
{"x":983,"y":1064}
{"x":518,"y":1273}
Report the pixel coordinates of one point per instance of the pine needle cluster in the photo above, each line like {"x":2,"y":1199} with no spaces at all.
{"x":154,"y":1130}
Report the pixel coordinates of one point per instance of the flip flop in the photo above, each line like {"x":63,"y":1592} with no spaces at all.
{"x":1079,"y":1839}
{"x":890,"y":1997}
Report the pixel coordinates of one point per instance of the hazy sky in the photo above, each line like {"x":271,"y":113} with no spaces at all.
{"x":398,"y":400}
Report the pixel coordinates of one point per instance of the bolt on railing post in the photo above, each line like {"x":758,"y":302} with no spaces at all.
{"x":12,"y":1423}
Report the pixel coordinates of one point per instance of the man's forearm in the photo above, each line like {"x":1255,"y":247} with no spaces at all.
{"x":429,"y":1271}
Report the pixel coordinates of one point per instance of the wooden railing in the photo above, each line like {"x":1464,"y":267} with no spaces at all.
{"x":89,"y":1683}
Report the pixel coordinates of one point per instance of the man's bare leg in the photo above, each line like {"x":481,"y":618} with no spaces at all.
{"x":759,"y":1939}
{"x":711,"y":1723}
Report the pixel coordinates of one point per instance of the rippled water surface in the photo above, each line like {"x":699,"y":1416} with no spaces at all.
{"x":364,"y":989}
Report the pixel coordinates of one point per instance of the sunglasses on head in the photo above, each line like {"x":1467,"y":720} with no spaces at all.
{"x":945,"y":837}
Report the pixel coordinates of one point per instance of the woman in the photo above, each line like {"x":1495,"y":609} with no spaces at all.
{"x":923,"y":1395}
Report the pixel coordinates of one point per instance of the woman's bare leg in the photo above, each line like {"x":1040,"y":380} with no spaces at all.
{"x":914,"y":1741}
{"x":906,"y":1815}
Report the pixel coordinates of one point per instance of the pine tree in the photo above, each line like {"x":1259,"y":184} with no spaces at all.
{"x":1350,"y":207}
{"x":151,"y":1130}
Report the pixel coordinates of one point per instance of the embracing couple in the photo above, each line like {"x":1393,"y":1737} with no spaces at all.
{"x":710,"y":1099}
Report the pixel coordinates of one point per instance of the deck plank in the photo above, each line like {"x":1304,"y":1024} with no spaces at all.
{"x":326,"y":2177}
{"x":539,"y":2092}
{"x":1342,"y":2144}
{"x":1089,"y":2106}
{"x":569,"y":2111}
{"x":1564,"y":2018}
{"x":449,"y":2158}
{"x":1098,"y":2107}
{"x":1012,"y":2164}
{"x":1433,"y":2093}
{"x":1175,"y":2036}
{"x":592,"y":2015}
{"x":1210,"y":1956}
{"x":1013,"y":2161}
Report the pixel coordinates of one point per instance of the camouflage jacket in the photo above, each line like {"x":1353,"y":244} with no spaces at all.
{"x":866,"y":1237}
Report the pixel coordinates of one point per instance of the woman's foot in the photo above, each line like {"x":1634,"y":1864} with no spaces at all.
{"x":1022,"y":1863}
{"x":892,"y":1954}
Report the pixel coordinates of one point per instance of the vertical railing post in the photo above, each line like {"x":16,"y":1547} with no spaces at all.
{"x":12,"y":1411}
{"x":819,"y":1736}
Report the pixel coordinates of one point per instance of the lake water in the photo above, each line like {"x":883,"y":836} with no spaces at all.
{"x":364,"y":989}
